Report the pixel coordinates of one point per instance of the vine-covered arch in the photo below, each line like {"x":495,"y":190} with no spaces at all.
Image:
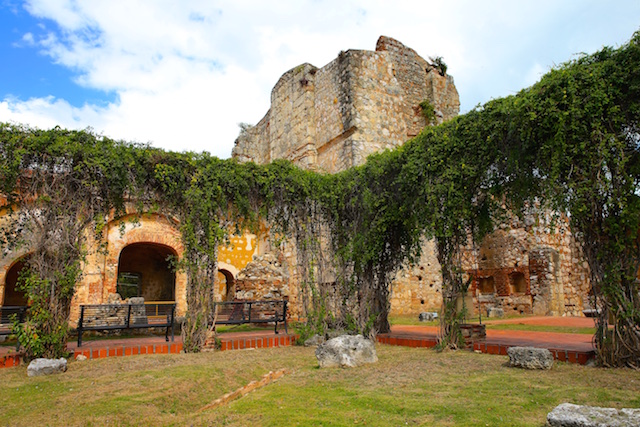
{"x":147,"y":270}
{"x":149,"y":229}
{"x":10,"y":294}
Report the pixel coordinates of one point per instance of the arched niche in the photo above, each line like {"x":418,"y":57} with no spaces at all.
{"x":146,"y":229}
{"x":225,"y":282}
{"x":147,"y":270}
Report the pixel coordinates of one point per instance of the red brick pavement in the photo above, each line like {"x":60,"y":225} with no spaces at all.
{"x":94,"y":349}
{"x":576,"y":348}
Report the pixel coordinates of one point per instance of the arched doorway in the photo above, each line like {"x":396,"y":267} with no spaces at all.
{"x":226,"y":285}
{"x":12,"y":295}
{"x":145,"y":270}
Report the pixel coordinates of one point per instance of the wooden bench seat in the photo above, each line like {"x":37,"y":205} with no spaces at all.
{"x":244,"y":312}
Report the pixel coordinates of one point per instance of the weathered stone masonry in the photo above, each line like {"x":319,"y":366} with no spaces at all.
{"x":331,"y":118}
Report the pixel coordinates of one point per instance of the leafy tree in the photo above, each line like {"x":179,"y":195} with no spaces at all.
{"x":580,"y":126}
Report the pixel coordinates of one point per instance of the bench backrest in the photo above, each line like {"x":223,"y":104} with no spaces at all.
{"x":7,"y":313}
{"x":251,"y":311}
{"x":94,"y":316}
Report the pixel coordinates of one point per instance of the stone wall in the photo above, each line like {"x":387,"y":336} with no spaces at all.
{"x":332,"y":118}
{"x":145,"y":240}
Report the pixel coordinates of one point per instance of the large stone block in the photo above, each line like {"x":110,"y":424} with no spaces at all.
{"x":428,"y":316}
{"x":42,"y":366}
{"x":346,"y":351}
{"x":495,"y":312}
{"x":570,"y":415}
{"x":530,"y":357}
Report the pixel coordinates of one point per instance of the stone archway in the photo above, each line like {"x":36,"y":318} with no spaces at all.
{"x":225,"y":282}
{"x":226,"y":285}
{"x":147,"y":229}
{"x":146,"y":270}
{"x":12,"y":295}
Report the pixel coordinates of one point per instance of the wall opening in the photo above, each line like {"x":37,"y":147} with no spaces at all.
{"x":226,"y":285}
{"x":517,"y":283}
{"x":145,"y":270}
{"x":12,"y":295}
{"x":486,"y":285}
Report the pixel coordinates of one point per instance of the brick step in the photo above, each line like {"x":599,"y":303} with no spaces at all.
{"x":239,"y":343}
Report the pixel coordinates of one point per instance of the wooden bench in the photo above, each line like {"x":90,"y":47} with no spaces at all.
{"x":7,"y":315}
{"x":243,"y":312}
{"x":105,"y":317}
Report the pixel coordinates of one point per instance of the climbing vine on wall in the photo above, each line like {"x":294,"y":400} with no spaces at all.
{"x":569,"y":143}
{"x":56,"y":183}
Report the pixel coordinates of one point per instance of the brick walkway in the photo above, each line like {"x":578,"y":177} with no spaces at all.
{"x":94,"y":349}
{"x":575,"y":348}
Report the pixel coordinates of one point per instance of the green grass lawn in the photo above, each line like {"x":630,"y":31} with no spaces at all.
{"x":410,"y":320}
{"x":406,"y":387}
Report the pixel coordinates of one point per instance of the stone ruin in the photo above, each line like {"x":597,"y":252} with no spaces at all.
{"x":328,"y":119}
{"x":331,"y":118}
{"x":264,"y":278}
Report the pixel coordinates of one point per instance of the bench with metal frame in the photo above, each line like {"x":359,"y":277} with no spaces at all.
{"x":244,"y":312}
{"x":105,"y":317}
{"x":8,"y":314}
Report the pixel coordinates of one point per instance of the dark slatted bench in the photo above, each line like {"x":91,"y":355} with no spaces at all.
{"x":105,"y":317}
{"x":7,"y":315}
{"x":242,"y":312}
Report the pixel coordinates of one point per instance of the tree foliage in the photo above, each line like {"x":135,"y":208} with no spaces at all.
{"x":569,"y":143}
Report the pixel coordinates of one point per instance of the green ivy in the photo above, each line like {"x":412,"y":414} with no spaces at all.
{"x":569,"y":143}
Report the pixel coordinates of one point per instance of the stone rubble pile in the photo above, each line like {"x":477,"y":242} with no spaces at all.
{"x":263,"y":278}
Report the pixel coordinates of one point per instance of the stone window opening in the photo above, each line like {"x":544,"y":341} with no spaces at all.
{"x":517,"y":283}
{"x":146,"y":269}
{"x":486,"y":285}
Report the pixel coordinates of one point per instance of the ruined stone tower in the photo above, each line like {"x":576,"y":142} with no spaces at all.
{"x":331,"y":118}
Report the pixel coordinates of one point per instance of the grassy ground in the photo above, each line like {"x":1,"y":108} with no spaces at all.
{"x":406,"y":387}
{"x":410,"y":320}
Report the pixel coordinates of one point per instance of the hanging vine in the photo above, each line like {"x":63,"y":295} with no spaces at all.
{"x":569,"y":143}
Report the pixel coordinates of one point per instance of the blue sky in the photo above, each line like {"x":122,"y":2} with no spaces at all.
{"x":182,"y":75}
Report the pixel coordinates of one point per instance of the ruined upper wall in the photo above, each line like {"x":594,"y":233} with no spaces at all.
{"x":332,"y":118}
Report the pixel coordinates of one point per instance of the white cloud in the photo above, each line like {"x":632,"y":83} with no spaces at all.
{"x":185,"y":73}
